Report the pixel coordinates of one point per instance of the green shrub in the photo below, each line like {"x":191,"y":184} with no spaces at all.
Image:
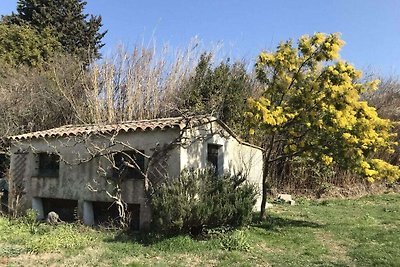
{"x":30,"y":220}
{"x":235,"y":240}
{"x":199,"y":200}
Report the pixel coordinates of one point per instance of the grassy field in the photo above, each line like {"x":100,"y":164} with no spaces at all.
{"x":360,"y":232}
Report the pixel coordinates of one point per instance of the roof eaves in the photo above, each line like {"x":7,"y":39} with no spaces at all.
{"x":142,"y":125}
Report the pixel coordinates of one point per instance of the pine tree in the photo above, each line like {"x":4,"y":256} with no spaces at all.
{"x":77,"y":34}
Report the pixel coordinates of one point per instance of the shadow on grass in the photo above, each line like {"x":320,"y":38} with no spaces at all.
{"x":274,"y":223}
{"x":271,"y":223}
{"x":145,"y":238}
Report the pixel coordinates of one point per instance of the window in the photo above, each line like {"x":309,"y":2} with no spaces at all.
{"x":213,"y":154}
{"x":49,"y":164}
{"x":128,"y":165}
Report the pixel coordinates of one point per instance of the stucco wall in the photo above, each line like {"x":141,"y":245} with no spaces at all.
{"x":234,"y":157}
{"x":75,"y":174}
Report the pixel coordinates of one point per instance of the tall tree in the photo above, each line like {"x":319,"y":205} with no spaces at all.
{"x":221,"y":91}
{"x":311,"y":107}
{"x":78,"y":34}
{"x":24,"y":45}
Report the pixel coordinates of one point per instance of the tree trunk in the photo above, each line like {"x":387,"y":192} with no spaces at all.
{"x":265,"y":188}
{"x":266,"y":158}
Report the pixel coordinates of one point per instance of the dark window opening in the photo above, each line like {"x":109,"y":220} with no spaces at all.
{"x":3,"y":202}
{"x":213,"y":152}
{"x":49,"y":165}
{"x":4,"y":164}
{"x":106,"y":214}
{"x":128,"y":165}
{"x":3,"y":195}
{"x":65,"y":208}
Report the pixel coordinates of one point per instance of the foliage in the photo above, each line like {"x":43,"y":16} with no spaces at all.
{"x":199,"y":200}
{"x":386,"y":100}
{"x":315,"y":109}
{"x":30,"y":220}
{"x":22,"y":44}
{"x":311,"y":107}
{"x":236,"y":240}
{"x":77,"y":34}
{"x":220,"y":91}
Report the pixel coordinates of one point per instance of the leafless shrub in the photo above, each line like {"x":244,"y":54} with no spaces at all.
{"x":387,"y":98}
{"x":30,"y":99}
{"x":142,"y":84}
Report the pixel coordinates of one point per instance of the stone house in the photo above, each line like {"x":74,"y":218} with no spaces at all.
{"x":72,"y":169}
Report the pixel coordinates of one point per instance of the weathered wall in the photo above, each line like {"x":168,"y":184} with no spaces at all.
{"x":77,"y":171}
{"x":235,"y":156}
{"x":75,"y":174}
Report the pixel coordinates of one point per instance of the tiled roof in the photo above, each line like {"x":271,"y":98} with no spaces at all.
{"x":141,"y":125}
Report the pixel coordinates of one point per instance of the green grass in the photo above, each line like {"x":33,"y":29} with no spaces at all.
{"x":360,"y":232}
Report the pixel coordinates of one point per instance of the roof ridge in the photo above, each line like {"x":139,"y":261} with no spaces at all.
{"x":134,"y":121}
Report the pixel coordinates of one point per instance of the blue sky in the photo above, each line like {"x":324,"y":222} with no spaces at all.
{"x":371,"y":29}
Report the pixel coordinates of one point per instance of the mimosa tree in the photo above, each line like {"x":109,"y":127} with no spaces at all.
{"x":311,"y":107}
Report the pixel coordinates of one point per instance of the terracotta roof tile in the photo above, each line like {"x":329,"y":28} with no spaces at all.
{"x":140,"y":125}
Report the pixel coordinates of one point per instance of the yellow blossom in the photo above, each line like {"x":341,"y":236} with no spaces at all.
{"x":327,"y":160}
